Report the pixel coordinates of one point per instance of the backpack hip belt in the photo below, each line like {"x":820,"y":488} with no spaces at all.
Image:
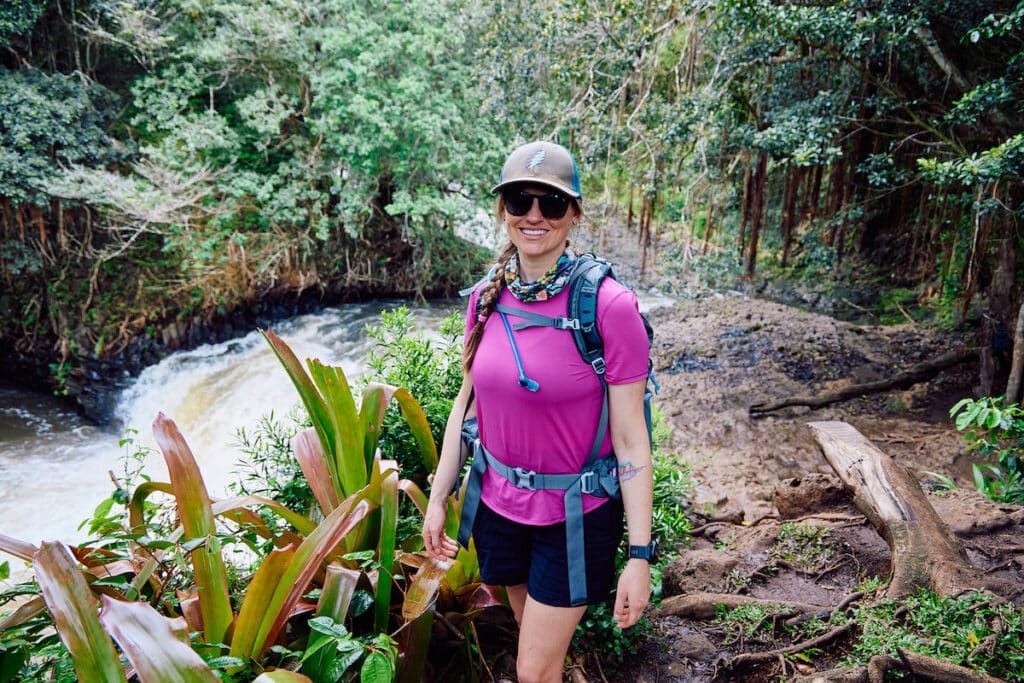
{"x":600,"y":478}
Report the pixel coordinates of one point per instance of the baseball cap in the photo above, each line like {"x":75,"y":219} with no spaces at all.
{"x":543,"y":163}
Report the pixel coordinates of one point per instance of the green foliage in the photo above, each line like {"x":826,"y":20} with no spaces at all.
{"x":947,"y":628}
{"x":429,"y":368}
{"x":996,"y":432}
{"x":269,"y":467}
{"x":803,"y":545}
{"x":48,"y":121}
{"x":18,"y":16}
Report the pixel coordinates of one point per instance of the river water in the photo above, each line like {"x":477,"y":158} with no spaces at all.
{"x":55,"y":467}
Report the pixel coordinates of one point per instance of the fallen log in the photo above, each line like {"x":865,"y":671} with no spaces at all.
{"x":904,"y":380}
{"x":925,"y":553}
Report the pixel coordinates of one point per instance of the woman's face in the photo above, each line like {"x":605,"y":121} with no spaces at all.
{"x":539,"y":239}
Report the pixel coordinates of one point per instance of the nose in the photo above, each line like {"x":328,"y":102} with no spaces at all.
{"x":534,"y":215}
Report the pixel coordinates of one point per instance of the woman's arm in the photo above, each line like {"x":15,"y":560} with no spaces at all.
{"x":437,"y":543}
{"x":636,"y":479}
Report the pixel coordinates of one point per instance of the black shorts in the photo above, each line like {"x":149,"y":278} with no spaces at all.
{"x":511,"y":553}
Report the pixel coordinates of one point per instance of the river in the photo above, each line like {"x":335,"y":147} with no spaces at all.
{"x":56,"y":467}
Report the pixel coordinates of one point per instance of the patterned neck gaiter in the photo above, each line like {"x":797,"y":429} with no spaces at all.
{"x":550,"y":284}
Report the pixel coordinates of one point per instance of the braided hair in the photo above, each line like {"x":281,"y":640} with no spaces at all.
{"x":488,"y":299}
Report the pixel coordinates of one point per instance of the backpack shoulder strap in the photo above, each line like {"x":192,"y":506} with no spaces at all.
{"x":584,"y":284}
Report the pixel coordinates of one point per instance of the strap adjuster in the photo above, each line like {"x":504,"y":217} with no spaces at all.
{"x":598,"y":365}
{"x":589,"y":482}
{"x":567,"y":323}
{"x":524,"y":478}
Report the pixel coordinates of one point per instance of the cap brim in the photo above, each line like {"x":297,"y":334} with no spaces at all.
{"x":537,"y":181}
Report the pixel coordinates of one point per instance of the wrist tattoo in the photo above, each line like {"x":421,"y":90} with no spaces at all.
{"x":628,"y":470}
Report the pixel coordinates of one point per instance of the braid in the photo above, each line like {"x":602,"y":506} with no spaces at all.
{"x":488,"y":299}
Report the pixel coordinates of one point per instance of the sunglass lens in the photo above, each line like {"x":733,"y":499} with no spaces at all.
{"x":518,"y":203}
{"x":553,"y":206}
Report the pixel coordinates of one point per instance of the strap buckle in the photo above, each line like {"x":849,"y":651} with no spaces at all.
{"x":598,"y":365}
{"x":589,"y":482}
{"x":567,"y":323}
{"x":524,"y":478}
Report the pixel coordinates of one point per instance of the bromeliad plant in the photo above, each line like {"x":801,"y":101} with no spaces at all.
{"x":150,"y":588}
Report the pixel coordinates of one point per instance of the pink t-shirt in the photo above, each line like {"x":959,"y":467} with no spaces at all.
{"x":550,"y":430}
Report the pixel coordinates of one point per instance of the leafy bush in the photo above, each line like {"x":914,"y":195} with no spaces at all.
{"x":995,"y":432}
{"x":430,"y":369}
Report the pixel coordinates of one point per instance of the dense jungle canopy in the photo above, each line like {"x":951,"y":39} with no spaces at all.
{"x":165,"y":161}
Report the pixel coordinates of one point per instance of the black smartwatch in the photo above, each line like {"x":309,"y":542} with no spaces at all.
{"x":647,"y":552}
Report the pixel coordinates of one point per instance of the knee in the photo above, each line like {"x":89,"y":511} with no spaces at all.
{"x":534,"y":670}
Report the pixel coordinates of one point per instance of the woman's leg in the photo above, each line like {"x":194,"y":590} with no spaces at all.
{"x":544,"y":636}
{"x":516,"y":600}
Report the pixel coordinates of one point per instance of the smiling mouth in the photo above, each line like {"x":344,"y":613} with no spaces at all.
{"x":532,"y":232}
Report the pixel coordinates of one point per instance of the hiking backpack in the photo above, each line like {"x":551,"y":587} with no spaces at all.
{"x":598,"y":476}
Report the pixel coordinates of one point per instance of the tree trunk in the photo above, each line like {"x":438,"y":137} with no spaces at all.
{"x":925,"y":554}
{"x":757,"y":205}
{"x":709,"y":227}
{"x":1013,"y":385}
{"x":793,"y":179}
{"x":741,"y":242}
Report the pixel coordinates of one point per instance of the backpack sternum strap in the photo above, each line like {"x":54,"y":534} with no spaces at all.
{"x":537,"y":320}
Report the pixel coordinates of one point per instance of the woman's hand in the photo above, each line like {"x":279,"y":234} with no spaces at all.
{"x":633,"y":592}
{"x":437,"y":543}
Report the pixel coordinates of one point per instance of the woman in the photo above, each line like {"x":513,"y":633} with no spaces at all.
{"x":539,"y":406}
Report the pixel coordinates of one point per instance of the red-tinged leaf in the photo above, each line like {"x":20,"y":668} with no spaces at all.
{"x":156,"y":646}
{"x":414,"y":416}
{"x":311,"y":398}
{"x":310,"y":454}
{"x":371,"y":415}
{"x":281,"y":676}
{"x":415,"y":493}
{"x":422,"y":593}
{"x":25,"y":611}
{"x":238,"y":509}
{"x":307,"y":560}
{"x":413,"y":646}
{"x":386,"y":545}
{"x":136,"y":506}
{"x":347,"y":449}
{"x":115,"y":568}
{"x":375,"y":401}
{"x":339,"y":586}
{"x":188,"y":603}
{"x":478,"y":596}
{"x":73,"y":608}
{"x":21,"y":549}
{"x":257,"y":602}
{"x":197,"y":519}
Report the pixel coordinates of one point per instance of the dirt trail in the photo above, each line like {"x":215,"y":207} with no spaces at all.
{"x":717,"y":354}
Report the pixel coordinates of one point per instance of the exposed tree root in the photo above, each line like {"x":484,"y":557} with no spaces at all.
{"x":751,"y":660}
{"x":908,"y":378}
{"x":931,"y":669}
{"x":705,"y":605}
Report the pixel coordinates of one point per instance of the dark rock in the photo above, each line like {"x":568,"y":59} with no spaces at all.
{"x":696,"y":570}
{"x":812,"y":492}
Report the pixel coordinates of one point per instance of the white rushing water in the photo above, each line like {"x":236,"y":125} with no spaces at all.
{"x":55,"y":468}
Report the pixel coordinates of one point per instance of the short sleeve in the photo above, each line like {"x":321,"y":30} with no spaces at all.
{"x":626,"y":348}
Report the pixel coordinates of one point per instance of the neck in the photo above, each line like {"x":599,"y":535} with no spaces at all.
{"x":532,"y":269}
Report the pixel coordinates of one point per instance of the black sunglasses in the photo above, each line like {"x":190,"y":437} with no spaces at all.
{"x":553,"y":205}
